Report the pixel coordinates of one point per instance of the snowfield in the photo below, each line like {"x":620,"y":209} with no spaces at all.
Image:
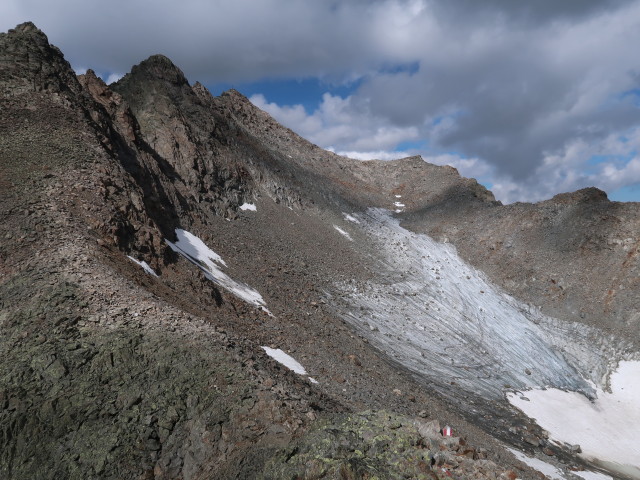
{"x":607,"y":428}
{"x":198,"y":253}
{"x":285,"y":359}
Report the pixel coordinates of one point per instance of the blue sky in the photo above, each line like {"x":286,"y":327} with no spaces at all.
{"x":531,"y":98}
{"x":294,"y":91}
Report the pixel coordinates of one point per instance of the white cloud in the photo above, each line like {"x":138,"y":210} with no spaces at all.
{"x":113,"y":77}
{"x":572,"y":168}
{"x":340,"y":124}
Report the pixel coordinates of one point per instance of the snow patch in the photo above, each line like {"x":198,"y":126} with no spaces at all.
{"x":343,"y":233}
{"x":285,"y":359}
{"x":543,"y":467}
{"x":197,"y":252}
{"x":350,"y":218}
{"x":144,"y":265}
{"x":195,"y":248}
{"x":606,"y":428}
{"x":248,"y":206}
{"x":589,"y":475}
{"x":399,"y":205}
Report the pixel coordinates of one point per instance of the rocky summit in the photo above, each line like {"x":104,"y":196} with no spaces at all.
{"x":189,"y":290}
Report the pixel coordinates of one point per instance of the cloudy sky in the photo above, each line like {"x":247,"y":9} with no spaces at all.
{"x":531,"y":97}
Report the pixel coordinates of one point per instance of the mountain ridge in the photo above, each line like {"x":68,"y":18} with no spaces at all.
{"x":95,"y":173}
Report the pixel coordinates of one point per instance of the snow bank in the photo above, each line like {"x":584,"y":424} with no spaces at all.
{"x":543,"y":467}
{"x":343,"y":233}
{"x":248,"y":206}
{"x":144,"y":265}
{"x":607,"y":429}
{"x":195,"y":250}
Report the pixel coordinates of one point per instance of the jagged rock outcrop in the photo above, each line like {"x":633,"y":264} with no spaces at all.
{"x":31,"y":64}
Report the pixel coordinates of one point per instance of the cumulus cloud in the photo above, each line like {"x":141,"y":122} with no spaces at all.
{"x":523,"y":94}
{"x":340,"y":125}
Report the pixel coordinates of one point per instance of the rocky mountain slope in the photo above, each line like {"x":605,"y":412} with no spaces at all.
{"x":109,"y":370}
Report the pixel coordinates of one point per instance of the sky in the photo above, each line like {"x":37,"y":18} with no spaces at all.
{"x":532,"y":98}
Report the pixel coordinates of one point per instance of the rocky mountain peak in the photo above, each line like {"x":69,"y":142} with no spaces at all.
{"x":237,"y":102}
{"x":29,"y":28}
{"x":156,"y":84}
{"x":32,"y":64}
{"x":585,"y":195}
{"x":159,"y":67}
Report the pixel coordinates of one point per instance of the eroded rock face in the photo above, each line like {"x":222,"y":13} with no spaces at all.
{"x":118,"y":110}
{"x":176,"y":121}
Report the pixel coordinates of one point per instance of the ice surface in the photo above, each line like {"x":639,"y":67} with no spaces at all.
{"x":343,"y":232}
{"x":248,"y":206}
{"x":286,"y":360}
{"x":144,"y":265}
{"x":546,"y":468}
{"x":445,"y":321}
{"x":195,"y":250}
{"x":607,"y":429}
